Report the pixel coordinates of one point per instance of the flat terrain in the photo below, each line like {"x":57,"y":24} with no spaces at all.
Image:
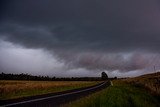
{"x":130,"y":92}
{"x":55,"y":99}
{"x":18,"y":89}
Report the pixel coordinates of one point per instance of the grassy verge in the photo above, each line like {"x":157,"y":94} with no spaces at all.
{"x":17,"y":89}
{"x":118,"y":95}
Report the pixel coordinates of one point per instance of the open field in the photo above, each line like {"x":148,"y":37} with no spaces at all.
{"x":16,"y":89}
{"x":121,"y":94}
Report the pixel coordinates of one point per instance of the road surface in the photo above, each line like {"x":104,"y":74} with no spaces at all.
{"x":55,"y":99}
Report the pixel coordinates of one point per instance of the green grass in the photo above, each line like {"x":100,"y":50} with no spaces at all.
{"x":118,"y":95}
{"x":18,"y":89}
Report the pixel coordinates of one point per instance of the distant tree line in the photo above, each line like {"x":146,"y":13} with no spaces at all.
{"x":22,"y":76}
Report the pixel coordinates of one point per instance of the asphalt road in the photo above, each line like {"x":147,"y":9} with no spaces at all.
{"x":55,"y":99}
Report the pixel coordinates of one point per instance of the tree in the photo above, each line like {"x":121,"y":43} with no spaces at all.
{"x":104,"y":76}
{"x":115,"y":77}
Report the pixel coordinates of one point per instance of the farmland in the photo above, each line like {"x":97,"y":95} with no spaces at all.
{"x":124,"y":93}
{"x":16,"y":89}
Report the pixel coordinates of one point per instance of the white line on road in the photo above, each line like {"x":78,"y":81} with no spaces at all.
{"x":39,"y":99}
{"x":111,"y":83}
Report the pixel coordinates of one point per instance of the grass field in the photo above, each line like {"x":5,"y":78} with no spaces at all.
{"x":118,"y":95}
{"x":17,"y":89}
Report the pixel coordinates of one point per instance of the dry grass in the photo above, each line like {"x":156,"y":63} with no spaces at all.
{"x":16,"y":89}
{"x":149,"y":81}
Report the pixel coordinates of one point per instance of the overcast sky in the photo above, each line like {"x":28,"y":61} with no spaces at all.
{"x":79,"y":37}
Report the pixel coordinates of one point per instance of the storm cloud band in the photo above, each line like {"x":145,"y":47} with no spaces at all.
{"x":87,"y":34}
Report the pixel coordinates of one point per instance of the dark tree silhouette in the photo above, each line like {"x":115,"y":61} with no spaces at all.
{"x":115,"y":77}
{"x":104,"y":76}
{"x":23,"y":76}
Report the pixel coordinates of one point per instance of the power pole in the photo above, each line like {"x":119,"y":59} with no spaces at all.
{"x":155,"y":69}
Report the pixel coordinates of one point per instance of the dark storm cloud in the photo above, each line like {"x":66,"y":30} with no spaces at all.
{"x":111,"y":61}
{"x":73,"y":27}
{"x":106,"y":25}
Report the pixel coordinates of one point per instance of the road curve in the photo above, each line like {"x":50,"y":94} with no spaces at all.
{"x":55,"y":99}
